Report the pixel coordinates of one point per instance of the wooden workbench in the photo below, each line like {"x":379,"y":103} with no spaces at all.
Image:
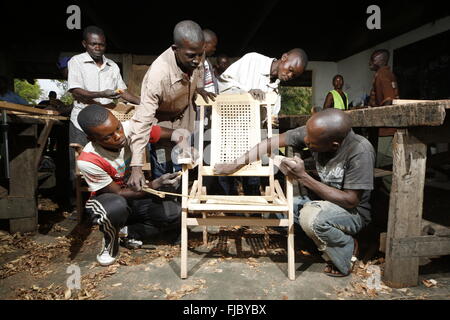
{"x":419,"y":123}
{"x":18,"y":194}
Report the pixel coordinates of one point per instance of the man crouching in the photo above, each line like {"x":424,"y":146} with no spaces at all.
{"x":104,"y":163}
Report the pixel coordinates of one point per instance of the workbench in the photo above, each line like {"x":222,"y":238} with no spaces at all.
{"x":419,"y":123}
{"x":18,"y":194}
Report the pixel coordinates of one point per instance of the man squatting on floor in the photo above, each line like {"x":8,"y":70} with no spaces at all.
{"x":105,"y":164}
{"x":344,"y":163}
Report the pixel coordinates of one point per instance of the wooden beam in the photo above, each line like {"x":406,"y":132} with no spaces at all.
{"x":42,"y":141}
{"x":424,"y":246}
{"x":429,"y":113}
{"x":26,"y":109}
{"x":236,"y":221}
{"x":405,"y":207}
{"x":193,"y":207}
{"x":431,"y":228}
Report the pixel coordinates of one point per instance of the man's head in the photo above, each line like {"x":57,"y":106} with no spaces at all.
{"x":326,"y":130}
{"x":223,"y":62}
{"x":94,"y":42}
{"x":102,"y":127}
{"x":378,"y":59}
{"x":210,"y":42}
{"x":52,"y":95}
{"x":292,"y":64}
{"x":188,"y":45}
{"x":338,"y":82}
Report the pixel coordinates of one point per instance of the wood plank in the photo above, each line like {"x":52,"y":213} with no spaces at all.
{"x":42,"y":141}
{"x":237,"y":221}
{"x":193,"y":207}
{"x":37,"y":116}
{"x":430,"y":113}
{"x":184,"y":231}
{"x":424,"y":246}
{"x":247,"y":171}
{"x":379,"y":173}
{"x":435,"y":229}
{"x":27,"y":109}
{"x":405,"y":207}
{"x":290,"y":244}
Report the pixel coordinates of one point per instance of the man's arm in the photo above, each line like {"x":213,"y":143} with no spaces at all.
{"x":295,"y":168}
{"x":170,"y":180}
{"x":329,"y":102}
{"x":254,"y":154}
{"x":128,"y":96}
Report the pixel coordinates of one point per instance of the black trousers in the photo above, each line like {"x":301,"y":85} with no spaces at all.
{"x":145,"y":218}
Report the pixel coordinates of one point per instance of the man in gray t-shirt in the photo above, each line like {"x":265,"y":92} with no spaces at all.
{"x":344,"y":163}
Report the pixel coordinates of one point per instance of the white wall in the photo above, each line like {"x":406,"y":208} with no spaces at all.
{"x":355,"y":69}
{"x":322,"y":75}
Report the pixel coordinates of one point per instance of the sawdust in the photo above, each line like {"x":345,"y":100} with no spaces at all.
{"x":185,"y":290}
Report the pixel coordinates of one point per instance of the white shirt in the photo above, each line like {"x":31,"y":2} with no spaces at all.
{"x":209,"y":80}
{"x":95,"y":175}
{"x":252,"y":71}
{"x":85,"y":74}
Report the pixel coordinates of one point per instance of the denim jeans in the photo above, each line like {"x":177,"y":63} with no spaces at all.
{"x":160,"y":168}
{"x":331,"y":227}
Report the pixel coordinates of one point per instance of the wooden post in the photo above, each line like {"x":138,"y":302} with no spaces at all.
{"x":405,"y":207}
{"x":290,"y":244}
{"x":184,"y":231}
{"x":22,"y":208}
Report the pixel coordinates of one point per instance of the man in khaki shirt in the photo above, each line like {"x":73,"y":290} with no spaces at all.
{"x":166,"y":98}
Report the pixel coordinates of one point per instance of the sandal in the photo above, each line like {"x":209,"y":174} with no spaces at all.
{"x":332,"y":271}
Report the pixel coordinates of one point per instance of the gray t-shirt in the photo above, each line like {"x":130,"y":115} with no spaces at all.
{"x":351,"y":167}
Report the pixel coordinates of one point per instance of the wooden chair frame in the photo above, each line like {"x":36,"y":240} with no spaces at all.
{"x":274,"y":200}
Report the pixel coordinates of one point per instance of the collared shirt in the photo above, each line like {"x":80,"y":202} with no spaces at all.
{"x":85,"y":74}
{"x":166,"y":99}
{"x":384,"y":87}
{"x":252,"y":71}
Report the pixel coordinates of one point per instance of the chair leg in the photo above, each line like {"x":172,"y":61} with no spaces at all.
{"x":205,"y":231}
{"x":184,"y":244}
{"x":291,"y":252}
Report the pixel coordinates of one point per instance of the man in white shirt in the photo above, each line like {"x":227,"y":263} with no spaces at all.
{"x":258,"y":74}
{"x":93,"y":79}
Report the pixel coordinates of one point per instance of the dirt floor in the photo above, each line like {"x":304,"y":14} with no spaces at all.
{"x":237,"y":263}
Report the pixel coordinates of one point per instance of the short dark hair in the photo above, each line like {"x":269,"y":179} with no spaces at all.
{"x":52,"y":94}
{"x":187,"y":30}
{"x":383,"y":52}
{"x":92,"y":30}
{"x":336,"y":76}
{"x":209,"y":34}
{"x":92,"y":116}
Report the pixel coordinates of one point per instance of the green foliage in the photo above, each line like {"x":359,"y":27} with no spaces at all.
{"x":295,"y":100}
{"x":30,"y":92}
{"x":67,"y":97}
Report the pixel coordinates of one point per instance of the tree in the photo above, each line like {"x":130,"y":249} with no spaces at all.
{"x":67,"y":97}
{"x":295,"y":100}
{"x":30,"y":92}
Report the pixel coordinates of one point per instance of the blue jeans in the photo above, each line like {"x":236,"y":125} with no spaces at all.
{"x":160,"y":168}
{"x":331,"y":228}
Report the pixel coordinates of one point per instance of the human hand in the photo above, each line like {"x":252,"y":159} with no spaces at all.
{"x":293,"y":167}
{"x":168,"y":181}
{"x":137,"y":179}
{"x":257,"y":94}
{"x":206,"y":95}
{"x":111,"y":94}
